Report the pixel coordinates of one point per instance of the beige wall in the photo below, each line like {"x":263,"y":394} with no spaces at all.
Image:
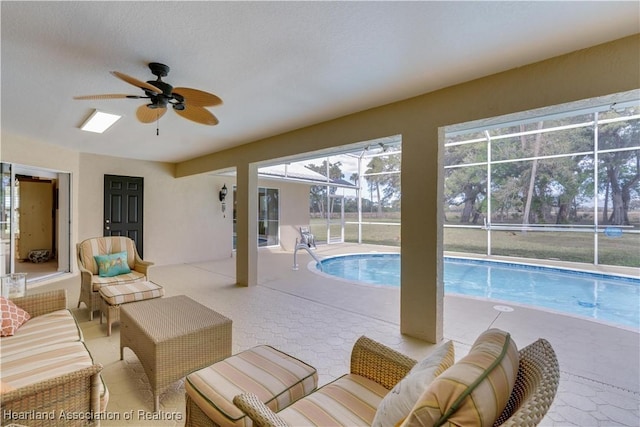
{"x":294,"y":209}
{"x":593,"y":72}
{"x":183,"y":220}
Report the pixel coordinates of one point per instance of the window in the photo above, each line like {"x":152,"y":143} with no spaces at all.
{"x":268,"y":217}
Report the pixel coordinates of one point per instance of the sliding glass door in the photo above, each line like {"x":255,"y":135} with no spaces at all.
{"x":268,"y":217}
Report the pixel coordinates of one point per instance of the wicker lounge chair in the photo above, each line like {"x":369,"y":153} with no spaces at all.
{"x":535,"y":388}
{"x":532,"y":395}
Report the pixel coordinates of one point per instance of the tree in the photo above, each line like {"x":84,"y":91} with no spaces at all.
{"x":544,"y":172}
{"x":619,"y":170}
{"x":375,"y":166}
{"x":318,"y":193}
{"x":383,"y":176}
{"x":466,"y":185}
{"x":392,"y":186}
{"x":532,"y":175}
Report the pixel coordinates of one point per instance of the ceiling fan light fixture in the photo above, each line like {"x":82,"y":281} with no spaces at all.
{"x":99,"y":121}
{"x":186,"y":102}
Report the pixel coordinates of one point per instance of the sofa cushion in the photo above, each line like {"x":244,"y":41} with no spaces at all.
{"x":351,"y":400}
{"x":12,"y":317}
{"x":275,"y":377}
{"x":22,"y":369}
{"x":51,"y":328}
{"x":43,"y":363}
{"x":110,"y":265}
{"x":475,"y":390}
{"x":104,"y":246}
{"x":397,"y":404}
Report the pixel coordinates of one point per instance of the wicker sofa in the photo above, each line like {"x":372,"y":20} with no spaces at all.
{"x":379,"y":371}
{"x":48,"y":377}
{"x":91,"y":281}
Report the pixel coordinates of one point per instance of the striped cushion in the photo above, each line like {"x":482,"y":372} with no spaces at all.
{"x":51,"y":328}
{"x":275,"y":377}
{"x":22,"y":369}
{"x":137,"y":291}
{"x":104,"y":246}
{"x":99,"y":282}
{"x":351,"y":400}
{"x":479,"y":386}
{"x":43,"y":363}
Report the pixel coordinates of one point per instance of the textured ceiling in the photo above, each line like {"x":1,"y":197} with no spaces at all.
{"x":278,"y":66}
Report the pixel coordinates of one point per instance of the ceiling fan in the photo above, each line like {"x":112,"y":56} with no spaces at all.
{"x":188,"y":103}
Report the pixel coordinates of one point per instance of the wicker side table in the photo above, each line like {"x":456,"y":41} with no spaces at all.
{"x":173,"y":337}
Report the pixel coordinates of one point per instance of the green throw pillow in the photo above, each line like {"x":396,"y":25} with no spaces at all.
{"x":112,"y":264}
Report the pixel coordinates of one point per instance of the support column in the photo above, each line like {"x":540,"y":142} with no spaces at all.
{"x":422,"y":286}
{"x":247,"y":225}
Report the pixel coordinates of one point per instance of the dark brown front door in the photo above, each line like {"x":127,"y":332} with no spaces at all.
{"x":123,"y":205}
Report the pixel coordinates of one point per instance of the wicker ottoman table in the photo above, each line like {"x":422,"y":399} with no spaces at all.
{"x":276,"y":378}
{"x":173,"y":337}
{"x":113,"y":296}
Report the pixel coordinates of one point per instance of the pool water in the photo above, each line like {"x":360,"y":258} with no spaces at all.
{"x":612,"y":299}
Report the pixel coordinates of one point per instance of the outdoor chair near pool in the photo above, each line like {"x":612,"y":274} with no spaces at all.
{"x":307,"y":238}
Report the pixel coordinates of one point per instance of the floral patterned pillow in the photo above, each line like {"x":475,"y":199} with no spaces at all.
{"x":12,"y":317}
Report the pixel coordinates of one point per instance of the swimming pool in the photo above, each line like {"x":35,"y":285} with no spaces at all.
{"x":612,"y":299}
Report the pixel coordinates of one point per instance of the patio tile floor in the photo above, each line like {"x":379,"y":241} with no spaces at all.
{"x":317,"y":320}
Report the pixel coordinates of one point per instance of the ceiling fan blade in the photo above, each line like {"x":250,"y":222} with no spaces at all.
{"x":198,"y":114}
{"x":197,"y":98}
{"x":136,"y":82}
{"x":149,"y":115}
{"x":109,"y":96}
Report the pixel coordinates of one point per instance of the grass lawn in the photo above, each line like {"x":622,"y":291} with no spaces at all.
{"x":564,"y":246}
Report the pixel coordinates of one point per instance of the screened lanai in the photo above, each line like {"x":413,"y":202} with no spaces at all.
{"x":354,"y":193}
{"x":560,"y":184}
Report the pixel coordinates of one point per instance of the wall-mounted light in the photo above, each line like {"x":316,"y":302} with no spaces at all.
{"x":222,"y":196}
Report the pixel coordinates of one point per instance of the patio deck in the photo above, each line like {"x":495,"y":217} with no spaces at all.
{"x":317,"y":320}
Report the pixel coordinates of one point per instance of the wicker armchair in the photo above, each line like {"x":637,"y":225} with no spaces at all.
{"x":532,"y":395}
{"x":90,"y":282}
{"x":535,"y":388}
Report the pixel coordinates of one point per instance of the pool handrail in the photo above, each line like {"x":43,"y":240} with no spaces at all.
{"x":305,"y":246}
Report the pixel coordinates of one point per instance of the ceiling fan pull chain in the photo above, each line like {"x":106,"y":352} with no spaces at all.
{"x":157,"y":124}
